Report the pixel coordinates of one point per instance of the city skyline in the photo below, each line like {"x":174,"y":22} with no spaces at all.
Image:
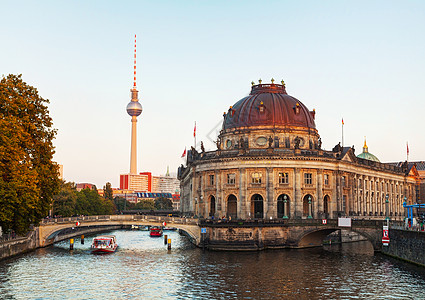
{"x":359,"y":62}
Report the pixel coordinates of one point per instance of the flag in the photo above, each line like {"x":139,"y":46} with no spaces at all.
{"x":184,"y":152}
{"x":407,"y":144}
{"x":194,"y":131}
{"x":342,"y":121}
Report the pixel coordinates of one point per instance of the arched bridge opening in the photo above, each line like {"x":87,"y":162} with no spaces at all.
{"x":314,"y":236}
{"x":59,"y":229}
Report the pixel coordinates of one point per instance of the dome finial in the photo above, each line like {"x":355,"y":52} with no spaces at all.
{"x":365,"y":146}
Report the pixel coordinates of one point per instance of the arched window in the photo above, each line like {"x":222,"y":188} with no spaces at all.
{"x":212,"y":206}
{"x":256,"y":177}
{"x":283,"y":206}
{"x":308,"y":206}
{"x":257,"y":207}
{"x":326,"y":204}
{"x":232,"y":206}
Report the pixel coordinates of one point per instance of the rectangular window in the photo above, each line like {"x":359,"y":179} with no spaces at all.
{"x":308,"y":178}
{"x":326,"y":179}
{"x":231,"y":178}
{"x":256,"y":177}
{"x":343,"y":183}
{"x":211,"y":179}
{"x":283,"y":178}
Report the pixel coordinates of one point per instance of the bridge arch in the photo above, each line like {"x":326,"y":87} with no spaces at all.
{"x":314,"y":237}
{"x":51,"y":232}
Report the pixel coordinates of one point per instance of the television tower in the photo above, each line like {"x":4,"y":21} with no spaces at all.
{"x":134,"y":109}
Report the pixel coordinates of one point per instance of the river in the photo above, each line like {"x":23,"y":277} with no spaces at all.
{"x":143,"y":268}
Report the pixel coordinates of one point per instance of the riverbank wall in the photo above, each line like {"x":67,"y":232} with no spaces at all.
{"x":407,"y":245}
{"x":19,"y":245}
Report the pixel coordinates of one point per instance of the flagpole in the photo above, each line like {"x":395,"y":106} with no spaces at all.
{"x":407,"y":145}
{"x":194,"y":135}
{"x":342,"y":132}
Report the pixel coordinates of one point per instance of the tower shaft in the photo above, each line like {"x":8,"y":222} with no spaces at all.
{"x":133,"y":152}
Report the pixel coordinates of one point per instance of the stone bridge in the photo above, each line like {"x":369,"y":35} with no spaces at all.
{"x":58,"y":229}
{"x":292,"y":233}
{"x":220,"y":235}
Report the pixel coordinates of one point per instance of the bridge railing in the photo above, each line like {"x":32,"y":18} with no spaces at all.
{"x":149,"y":218}
{"x":289,"y":222}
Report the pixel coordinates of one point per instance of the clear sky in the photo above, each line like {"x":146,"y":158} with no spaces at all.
{"x":363,"y":61}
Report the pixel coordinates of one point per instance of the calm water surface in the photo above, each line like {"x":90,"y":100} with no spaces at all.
{"x":142,"y":268}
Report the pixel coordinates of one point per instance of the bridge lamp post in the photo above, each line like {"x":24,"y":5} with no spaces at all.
{"x":309,"y":208}
{"x":285,"y":208}
{"x":405,"y":203}
{"x":387,"y":213}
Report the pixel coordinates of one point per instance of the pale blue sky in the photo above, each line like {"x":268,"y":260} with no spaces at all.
{"x":360,"y":60}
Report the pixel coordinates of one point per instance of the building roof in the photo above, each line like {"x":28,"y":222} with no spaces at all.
{"x":366,"y":154}
{"x":269,"y":105}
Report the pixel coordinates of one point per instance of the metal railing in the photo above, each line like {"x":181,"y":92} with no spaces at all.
{"x":102,"y":218}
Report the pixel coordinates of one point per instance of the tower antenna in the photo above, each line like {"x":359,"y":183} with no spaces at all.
{"x":134,"y":85}
{"x":134,"y":109}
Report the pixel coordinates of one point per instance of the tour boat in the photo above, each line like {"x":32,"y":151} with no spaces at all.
{"x":155,"y":231}
{"x":104,"y":244}
{"x":170,"y":228}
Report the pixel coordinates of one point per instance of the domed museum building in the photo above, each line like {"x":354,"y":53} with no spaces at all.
{"x":269,"y":163}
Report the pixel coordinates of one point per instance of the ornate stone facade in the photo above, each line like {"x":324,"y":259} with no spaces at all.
{"x":269,"y":164}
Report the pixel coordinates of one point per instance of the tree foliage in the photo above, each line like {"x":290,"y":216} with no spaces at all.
{"x":163,"y":203}
{"x":69,"y":202}
{"x":122,"y":204}
{"x":28,"y":176}
{"x":108,"y":192}
{"x":147,"y":204}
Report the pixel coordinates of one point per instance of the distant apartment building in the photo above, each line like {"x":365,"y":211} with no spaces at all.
{"x":82,"y":186}
{"x":141,"y":182}
{"x":146,"y":186}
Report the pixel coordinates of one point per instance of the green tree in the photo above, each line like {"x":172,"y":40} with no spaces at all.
{"x":145,"y":204}
{"x":28,"y":176}
{"x":107,"y":191}
{"x":163,"y":203}
{"x":122,"y":204}
{"x":65,"y":201}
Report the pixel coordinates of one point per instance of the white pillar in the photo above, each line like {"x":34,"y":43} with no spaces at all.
{"x":133,"y":154}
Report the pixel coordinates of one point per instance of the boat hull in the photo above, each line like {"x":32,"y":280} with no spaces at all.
{"x":103,"y":250}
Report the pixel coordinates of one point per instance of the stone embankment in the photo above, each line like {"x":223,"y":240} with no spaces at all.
{"x":407,"y":245}
{"x":19,"y":245}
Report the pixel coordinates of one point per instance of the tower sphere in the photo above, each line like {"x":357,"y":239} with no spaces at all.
{"x":134,"y":108}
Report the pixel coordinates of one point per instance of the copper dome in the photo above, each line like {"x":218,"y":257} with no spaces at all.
{"x":269,"y":105}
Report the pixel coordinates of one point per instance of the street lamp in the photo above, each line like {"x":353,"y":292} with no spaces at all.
{"x":387,"y":217}
{"x":285,"y":208}
{"x":309,"y":208}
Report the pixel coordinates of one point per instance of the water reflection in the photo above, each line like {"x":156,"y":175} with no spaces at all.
{"x":142,"y":268}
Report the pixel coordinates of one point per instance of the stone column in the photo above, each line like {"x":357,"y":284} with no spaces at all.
{"x":242,"y":213}
{"x":296,"y":208}
{"x":320,"y":210}
{"x":218,"y":189}
{"x":270,"y":201}
{"x":334,"y":201}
